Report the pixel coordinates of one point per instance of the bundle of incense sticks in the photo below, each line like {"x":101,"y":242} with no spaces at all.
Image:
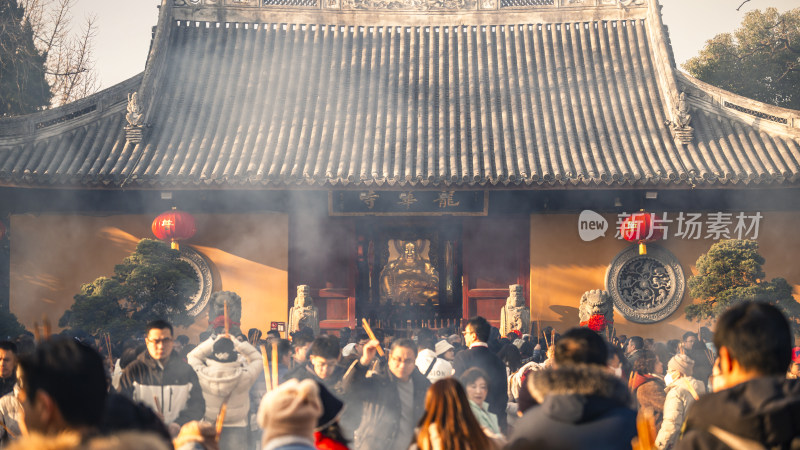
{"x":46,"y":329}
{"x":372,"y":335}
{"x":108,"y":347}
{"x":645,"y":426}
{"x":266,"y":367}
{"x":221,"y":418}
{"x":227,"y":324}
{"x":274,"y":365}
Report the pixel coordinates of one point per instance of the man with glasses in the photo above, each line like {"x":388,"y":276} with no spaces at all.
{"x":160,"y":379}
{"x":393,"y":398}
{"x":476,"y":336}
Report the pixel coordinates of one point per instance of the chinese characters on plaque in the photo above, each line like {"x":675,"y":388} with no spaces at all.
{"x":423,"y":202}
{"x":713,"y":225}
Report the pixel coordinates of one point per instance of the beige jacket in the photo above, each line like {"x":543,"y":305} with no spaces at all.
{"x":679,"y":398}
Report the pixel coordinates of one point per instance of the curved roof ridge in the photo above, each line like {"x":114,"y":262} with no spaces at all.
{"x":754,"y":113}
{"x":42,"y":124}
{"x":407,"y":12}
{"x":156,"y":58}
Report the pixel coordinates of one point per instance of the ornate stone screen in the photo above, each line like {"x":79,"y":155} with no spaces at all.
{"x":645,"y":288}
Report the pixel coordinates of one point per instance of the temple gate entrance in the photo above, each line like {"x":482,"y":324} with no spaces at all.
{"x":405,"y":272}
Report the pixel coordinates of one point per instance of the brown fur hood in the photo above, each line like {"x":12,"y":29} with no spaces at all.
{"x":578,"y":379}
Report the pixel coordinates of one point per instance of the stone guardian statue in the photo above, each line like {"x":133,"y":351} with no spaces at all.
{"x":596,"y":310}
{"x":216,"y":312}
{"x":515,"y":315}
{"x":304,"y":313}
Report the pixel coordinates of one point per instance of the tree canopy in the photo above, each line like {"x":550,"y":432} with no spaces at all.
{"x":152,"y":283}
{"x":10,"y":327}
{"x":731,"y":273}
{"x":23,"y":87}
{"x":759,"y":60}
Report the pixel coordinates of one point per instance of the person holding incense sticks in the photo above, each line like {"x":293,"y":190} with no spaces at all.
{"x":393,"y":397}
{"x":226,"y":369}
{"x":160,"y":379}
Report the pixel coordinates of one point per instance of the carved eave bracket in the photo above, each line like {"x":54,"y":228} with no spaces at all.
{"x":681,"y":129}
{"x":134,"y":130}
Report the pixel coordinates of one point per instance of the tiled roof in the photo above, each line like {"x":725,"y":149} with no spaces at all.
{"x":516,"y":105}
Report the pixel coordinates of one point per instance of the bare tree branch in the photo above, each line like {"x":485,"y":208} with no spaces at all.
{"x":740,"y":6}
{"x":70,"y":63}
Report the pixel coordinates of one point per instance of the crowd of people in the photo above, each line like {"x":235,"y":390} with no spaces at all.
{"x":432,"y":390}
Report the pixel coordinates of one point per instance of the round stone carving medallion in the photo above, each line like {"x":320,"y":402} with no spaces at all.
{"x":201,"y":267}
{"x":645,"y":288}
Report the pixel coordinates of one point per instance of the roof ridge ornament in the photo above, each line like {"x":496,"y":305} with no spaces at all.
{"x":627,"y":3}
{"x":134,"y":131}
{"x":681,"y":130}
{"x":414,"y":5}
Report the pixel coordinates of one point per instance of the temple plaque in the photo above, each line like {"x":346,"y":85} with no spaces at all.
{"x":408,"y":203}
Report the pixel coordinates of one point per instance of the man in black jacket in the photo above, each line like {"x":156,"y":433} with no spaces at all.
{"x":322,"y":365}
{"x":393,"y":397}
{"x":476,"y":336}
{"x":757,"y":406}
{"x":700,"y":354}
{"x":160,"y":379}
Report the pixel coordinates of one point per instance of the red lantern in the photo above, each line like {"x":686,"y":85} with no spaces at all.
{"x":638,"y":227}
{"x":174,"y":226}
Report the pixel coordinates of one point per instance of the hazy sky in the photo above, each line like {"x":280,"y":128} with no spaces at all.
{"x":125,"y":28}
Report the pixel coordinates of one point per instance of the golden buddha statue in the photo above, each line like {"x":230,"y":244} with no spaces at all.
{"x":409,"y":277}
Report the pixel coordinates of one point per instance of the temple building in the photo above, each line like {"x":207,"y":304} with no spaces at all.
{"x":408,"y":160}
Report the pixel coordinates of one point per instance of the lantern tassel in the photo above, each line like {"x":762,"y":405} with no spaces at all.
{"x":642,"y":248}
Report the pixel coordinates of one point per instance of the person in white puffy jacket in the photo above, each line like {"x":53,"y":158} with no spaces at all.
{"x":433,"y":366}
{"x":682,"y":390}
{"x":226,"y":369}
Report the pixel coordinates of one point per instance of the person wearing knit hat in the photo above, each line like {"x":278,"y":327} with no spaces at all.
{"x":289,"y":414}
{"x":682,"y":390}
{"x":681,"y":365}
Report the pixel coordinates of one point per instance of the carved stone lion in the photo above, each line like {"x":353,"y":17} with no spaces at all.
{"x":216,"y":312}
{"x":596,"y":302}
